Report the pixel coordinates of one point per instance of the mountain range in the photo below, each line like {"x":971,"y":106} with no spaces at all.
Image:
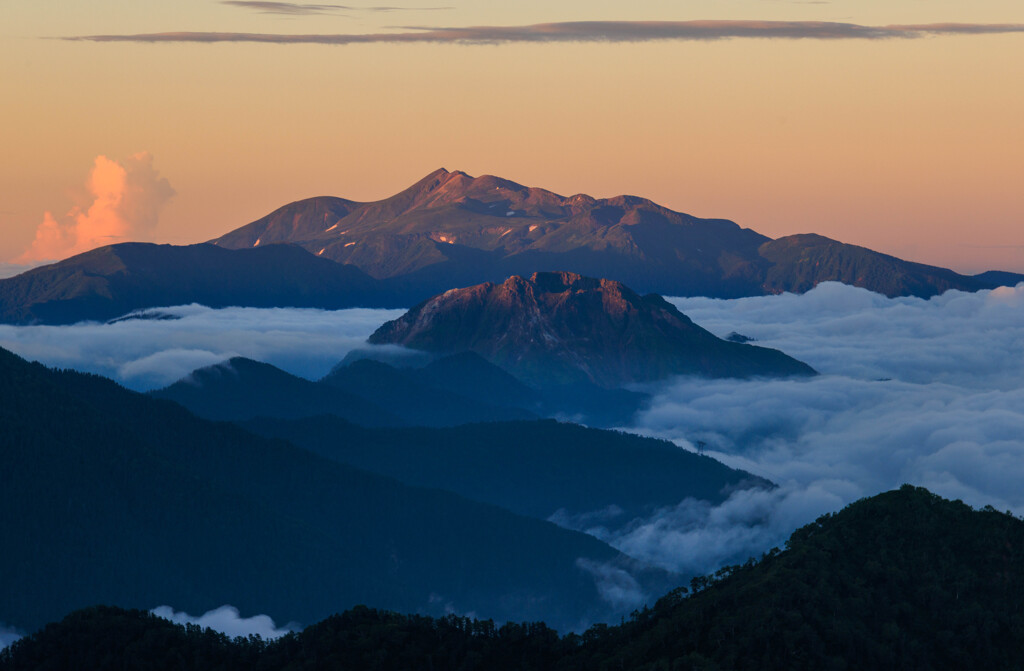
{"x":365,"y":392}
{"x":451,"y":390}
{"x":436,"y":483}
{"x":451,"y":230}
{"x":112,"y":281}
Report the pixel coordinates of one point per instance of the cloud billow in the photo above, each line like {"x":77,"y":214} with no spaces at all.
{"x":585,"y":31}
{"x":926,"y":392}
{"x":127,"y":198}
{"x":227,"y":620}
{"x":166,"y":344}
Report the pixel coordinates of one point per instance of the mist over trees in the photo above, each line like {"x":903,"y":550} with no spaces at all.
{"x":904,"y":580}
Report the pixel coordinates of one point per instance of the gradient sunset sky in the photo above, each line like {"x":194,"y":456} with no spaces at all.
{"x":901,"y":128}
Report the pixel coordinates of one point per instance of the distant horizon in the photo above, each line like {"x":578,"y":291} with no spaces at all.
{"x":17,"y":266}
{"x":893,"y":126}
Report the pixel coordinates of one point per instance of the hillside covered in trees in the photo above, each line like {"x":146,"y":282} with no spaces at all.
{"x":903,"y":580}
{"x":113,"y":497}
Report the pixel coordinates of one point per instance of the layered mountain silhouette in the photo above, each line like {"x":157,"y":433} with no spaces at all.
{"x":451,"y":390}
{"x":565,"y":328}
{"x":471,"y":375}
{"x":240,"y":389}
{"x":365,"y":392}
{"x":413,"y":395}
{"x":452,"y":230}
{"x":110,"y":496}
{"x":450,"y":439}
{"x":112,"y":281}
{"x":538,"y":468}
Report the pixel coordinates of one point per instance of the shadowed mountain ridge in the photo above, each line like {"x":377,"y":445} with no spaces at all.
{"x":110,"y":496}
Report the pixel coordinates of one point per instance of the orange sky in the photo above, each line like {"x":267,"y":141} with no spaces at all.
{"x":910,"y":146}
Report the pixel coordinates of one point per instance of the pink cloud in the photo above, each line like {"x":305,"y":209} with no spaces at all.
{"x":126,"y":201}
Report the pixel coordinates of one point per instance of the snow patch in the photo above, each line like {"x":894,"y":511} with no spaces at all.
{"x":534,"y":228}
{"x":321,"y":251}
{"x":510,"y":213}
{"x":331,"y":228}
{"x":257,"y":243}
{"x":349,"y":244}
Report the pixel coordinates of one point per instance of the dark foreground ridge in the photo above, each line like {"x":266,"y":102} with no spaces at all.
{"x":901,"y":580}
{"x":556,"y":328}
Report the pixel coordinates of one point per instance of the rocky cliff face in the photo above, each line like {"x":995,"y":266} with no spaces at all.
{"x":557,"y":328}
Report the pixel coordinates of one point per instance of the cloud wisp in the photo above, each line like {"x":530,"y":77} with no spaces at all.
{"x":304,"y":9}
{"x":615,"y":585}
{"x":586,"y":31}
{"x":127,"y":198}
{"x":169,"y":343}
{"x":926,"y":392}
{"x":227,"y":620}
{"x":8,"y":636}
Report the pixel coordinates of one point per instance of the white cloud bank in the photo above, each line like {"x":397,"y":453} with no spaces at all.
{"x":227,"y":620}
{"x":927,"y":392}
{"x":147,"y":354}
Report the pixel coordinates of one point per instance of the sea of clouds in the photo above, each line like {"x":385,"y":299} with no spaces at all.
{"x":150,"y":353}
{"x":927,"y":392}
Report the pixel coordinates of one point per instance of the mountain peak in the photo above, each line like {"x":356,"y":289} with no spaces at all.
{"x":453,"y":229}
{"x":563,"y":327}
{"x":432,"y":181}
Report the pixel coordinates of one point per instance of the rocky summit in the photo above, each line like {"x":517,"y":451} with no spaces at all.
{"x":450,"y":229}
{"x":561,"y":328}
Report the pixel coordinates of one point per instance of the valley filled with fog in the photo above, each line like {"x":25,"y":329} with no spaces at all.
{"x":925,"y":392}
{"x":914,"y":391}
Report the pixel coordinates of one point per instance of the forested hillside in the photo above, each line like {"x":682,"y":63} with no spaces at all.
{"x":903,"y":580}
